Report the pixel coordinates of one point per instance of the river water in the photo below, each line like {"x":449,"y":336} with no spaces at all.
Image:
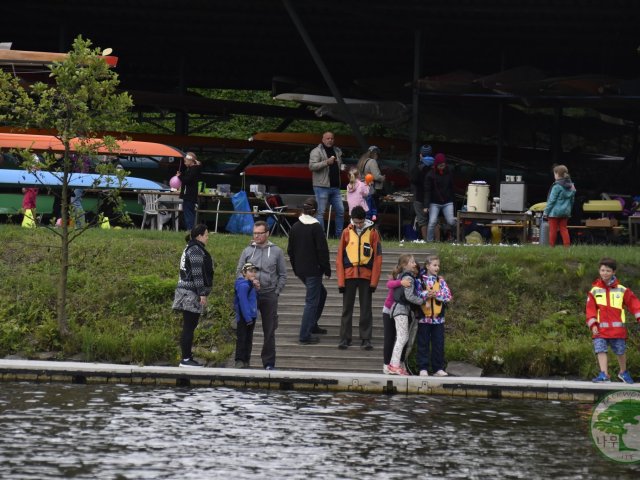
{"x":128,"y":432}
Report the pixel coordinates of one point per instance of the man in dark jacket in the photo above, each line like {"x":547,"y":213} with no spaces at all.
{"x":439,"y":195}
{"x":189,"y":188}
{"x":418,"y":172}
{"x":309,"y":255}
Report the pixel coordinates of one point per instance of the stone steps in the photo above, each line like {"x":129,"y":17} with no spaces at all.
{"x":325,"y":355}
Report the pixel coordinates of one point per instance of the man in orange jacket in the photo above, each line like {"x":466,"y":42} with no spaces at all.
{"x":358,"y":266}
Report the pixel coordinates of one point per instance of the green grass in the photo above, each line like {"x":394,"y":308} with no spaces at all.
{"x":517,"y":311}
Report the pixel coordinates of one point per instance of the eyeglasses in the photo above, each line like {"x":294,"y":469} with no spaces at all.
{"x":260,"y":233}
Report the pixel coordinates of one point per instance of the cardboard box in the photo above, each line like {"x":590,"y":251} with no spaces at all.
{"x":257,"y":188}
{"x":601,"y":222}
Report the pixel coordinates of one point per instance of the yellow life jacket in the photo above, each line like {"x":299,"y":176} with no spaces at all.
{"x":28,"y":221}
{"x":432,"y":308}
{"x":615,"y":300}
{"x":359,"y":250}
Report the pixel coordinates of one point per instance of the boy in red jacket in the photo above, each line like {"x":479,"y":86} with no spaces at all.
{"x":606,"y":319}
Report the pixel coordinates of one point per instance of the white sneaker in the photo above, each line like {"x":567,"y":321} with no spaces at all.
{"x":424,"y":373}
{"x":441,"y":373}
{"x":385,"y":369}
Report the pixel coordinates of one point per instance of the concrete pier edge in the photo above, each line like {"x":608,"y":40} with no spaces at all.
{"x":478,"y":387}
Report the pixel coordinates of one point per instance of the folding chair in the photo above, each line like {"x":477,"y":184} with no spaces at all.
{"x":276,"y":208}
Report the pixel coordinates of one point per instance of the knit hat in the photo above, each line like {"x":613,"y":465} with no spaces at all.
{"x":440,"y":158}
{"x":426,"y":151}
{"x":427,"y":161}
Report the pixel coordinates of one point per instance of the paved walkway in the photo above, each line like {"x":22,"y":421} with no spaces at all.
{"x":482,"y":387}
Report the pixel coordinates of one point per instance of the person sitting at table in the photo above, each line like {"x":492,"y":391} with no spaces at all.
{"x":189,"y":188}
{"x":438,"y":195}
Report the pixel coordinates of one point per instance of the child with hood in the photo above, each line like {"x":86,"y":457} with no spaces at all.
{"x":559,"y":205}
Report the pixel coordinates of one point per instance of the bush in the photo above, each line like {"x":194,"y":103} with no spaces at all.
{"x":148,"y":346}
{"x":107,"y":346}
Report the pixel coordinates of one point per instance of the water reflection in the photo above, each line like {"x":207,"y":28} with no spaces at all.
{"x":125,"y":432}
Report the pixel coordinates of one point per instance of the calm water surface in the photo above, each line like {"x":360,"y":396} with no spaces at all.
{"x":126,"y":432}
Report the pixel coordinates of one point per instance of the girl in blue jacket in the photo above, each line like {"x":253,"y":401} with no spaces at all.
{"x":559,"y":205}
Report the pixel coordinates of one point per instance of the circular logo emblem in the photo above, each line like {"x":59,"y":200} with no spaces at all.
{"x":615,"y":426}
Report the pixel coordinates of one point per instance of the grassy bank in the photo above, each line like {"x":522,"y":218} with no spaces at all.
{"x":517,"y":311}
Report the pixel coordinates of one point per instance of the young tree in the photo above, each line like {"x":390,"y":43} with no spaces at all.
{"x":79,"y":101}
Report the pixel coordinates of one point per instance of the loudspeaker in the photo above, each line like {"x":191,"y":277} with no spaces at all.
{"x":513,"y":196}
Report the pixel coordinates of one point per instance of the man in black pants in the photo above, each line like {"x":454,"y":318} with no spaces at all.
{"x":358,"y":266}
{"x":309,"y":255}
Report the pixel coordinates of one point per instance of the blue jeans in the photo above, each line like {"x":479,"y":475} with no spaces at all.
{"x":332,"y":195}
{"x":434,"y":212}
{"x":189,"y":214}
{"x":431,"y":346}
{"x":313,"y":305}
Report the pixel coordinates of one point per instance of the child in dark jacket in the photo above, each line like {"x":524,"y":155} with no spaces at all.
{"x":388,"y":323}
{"x":246,"y":307}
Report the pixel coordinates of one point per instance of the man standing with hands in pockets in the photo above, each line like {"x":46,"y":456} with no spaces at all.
{"x":325,"y":163}
{"x":271,"y":278}
{"x":309,"y":255}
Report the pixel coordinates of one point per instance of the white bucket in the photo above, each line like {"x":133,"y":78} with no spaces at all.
{"x":478,"y":197}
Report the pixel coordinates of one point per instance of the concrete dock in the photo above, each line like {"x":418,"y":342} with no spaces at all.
{"x":480,"y":387}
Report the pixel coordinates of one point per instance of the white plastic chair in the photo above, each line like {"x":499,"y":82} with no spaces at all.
{"x":150,"y":209}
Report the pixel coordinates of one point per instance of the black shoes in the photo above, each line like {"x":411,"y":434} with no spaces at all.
{"x":190,"y":362}
{"x":319,"y":330}
{"x":344,"y":344}
{"x":309,"y":341}
{"x":366,"y":345}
